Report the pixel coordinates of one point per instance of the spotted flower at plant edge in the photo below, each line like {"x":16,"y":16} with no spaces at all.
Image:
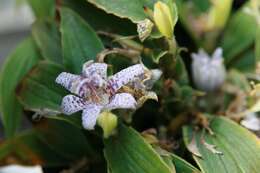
{"x":95,"y":92}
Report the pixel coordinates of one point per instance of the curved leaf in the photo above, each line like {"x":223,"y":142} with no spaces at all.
{"x":47,"y":37}
{"x":131,"y":9}
{"x":240,"y":148}
{"x":128,"y":152}
{"x":38,"y":90}
{"x":43,"y":9}
{"x":52,"y":143}
{"x":16,"y":66}
{"x":183,"y":166}
{"x":239,"y":35}
{"x":79,"y":42}
{"x":99,"y":19}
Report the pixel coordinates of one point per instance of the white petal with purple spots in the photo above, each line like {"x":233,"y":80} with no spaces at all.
{"x":67,"y":79}
{"x":71,"y":104}
{"x":121,"y":101}
{"x":90,"y":115}
{"x":125,"y":76}
{"x":90,"y":68}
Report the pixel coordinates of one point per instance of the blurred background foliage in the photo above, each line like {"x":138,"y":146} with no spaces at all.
{"x":186,"y":131}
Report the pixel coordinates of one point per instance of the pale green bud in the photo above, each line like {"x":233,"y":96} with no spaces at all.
{"x":108,"y":122}
{"x":218,"y":14}
{"x":165,"y":17}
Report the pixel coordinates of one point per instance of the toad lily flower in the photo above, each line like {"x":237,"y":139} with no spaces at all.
{"x":96,"y":92}
{"x":208,"y":72}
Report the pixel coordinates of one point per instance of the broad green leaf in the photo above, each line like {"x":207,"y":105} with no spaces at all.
{"x":79,"y":41}
{"x":239,"y":35}
{"x":16,"y":66}
{"x":28,"y":148}
{"x":52,"y":143}
{"x":131,"y":9}
{"x":245,"y":62}
{"x":240,"y":148}
{"x":183,"y":166}
{"x":99,"y":19}
{"x":47,"y":37}
{"x":38,"y":90}
{"x":43,"y":8}
{"x":65,"y":139}
{"x":128,"y":152}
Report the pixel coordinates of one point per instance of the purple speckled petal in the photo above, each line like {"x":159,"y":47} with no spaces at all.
{"x":125,"y":76}
{"x":121,"y":101}
{"x":67,"y":80}
{"x":90,"y":68}
{"x":71,"y":104}
{"x":90,"y":115}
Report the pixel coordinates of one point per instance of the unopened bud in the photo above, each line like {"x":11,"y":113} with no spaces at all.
{"x":108,"y":122}
{"x":219,"y":13}
{"x":165,"y":17}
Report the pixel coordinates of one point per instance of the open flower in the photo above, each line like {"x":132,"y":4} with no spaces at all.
{"x":96,"y":92}
{"x":208,"y":72}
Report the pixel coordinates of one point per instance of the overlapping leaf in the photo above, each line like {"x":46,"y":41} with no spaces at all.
{"x":38,"y":90}
{"x":43,"y":9}
{"x":79,"y":42}
{"x":239,"y":35}
{"x":128,"y":152}
{"x":17,"y":65}
{"x":240,"y":148}
{"x":131,"y":9}
{"x":47,"y":37}
{"x":49,"y":145}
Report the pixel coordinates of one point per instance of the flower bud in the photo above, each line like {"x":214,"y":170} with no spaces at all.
{"x":219,"y":13}
{"x":165,"y":18}
{"x":208,"y":72}
{"x":108,"y":122}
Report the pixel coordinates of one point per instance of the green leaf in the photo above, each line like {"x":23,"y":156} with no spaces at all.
{"x":79,"y":41}
{"x":131,"y":9}
{"x":240,"y":148}
{"x":257,"y":45}
{"x":43,"y":8}
{"x":16,"y":66}
{"x":128,"y":152}
{"x":38,"y":90}
{"x":183,"y":166}
{"x":239,"y":35}
{"x":47,"y":37}
{"x":245,"y":62}
{"x":99,"y":19}
{"x":65,"y":139}
{"x":52,"y":143}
